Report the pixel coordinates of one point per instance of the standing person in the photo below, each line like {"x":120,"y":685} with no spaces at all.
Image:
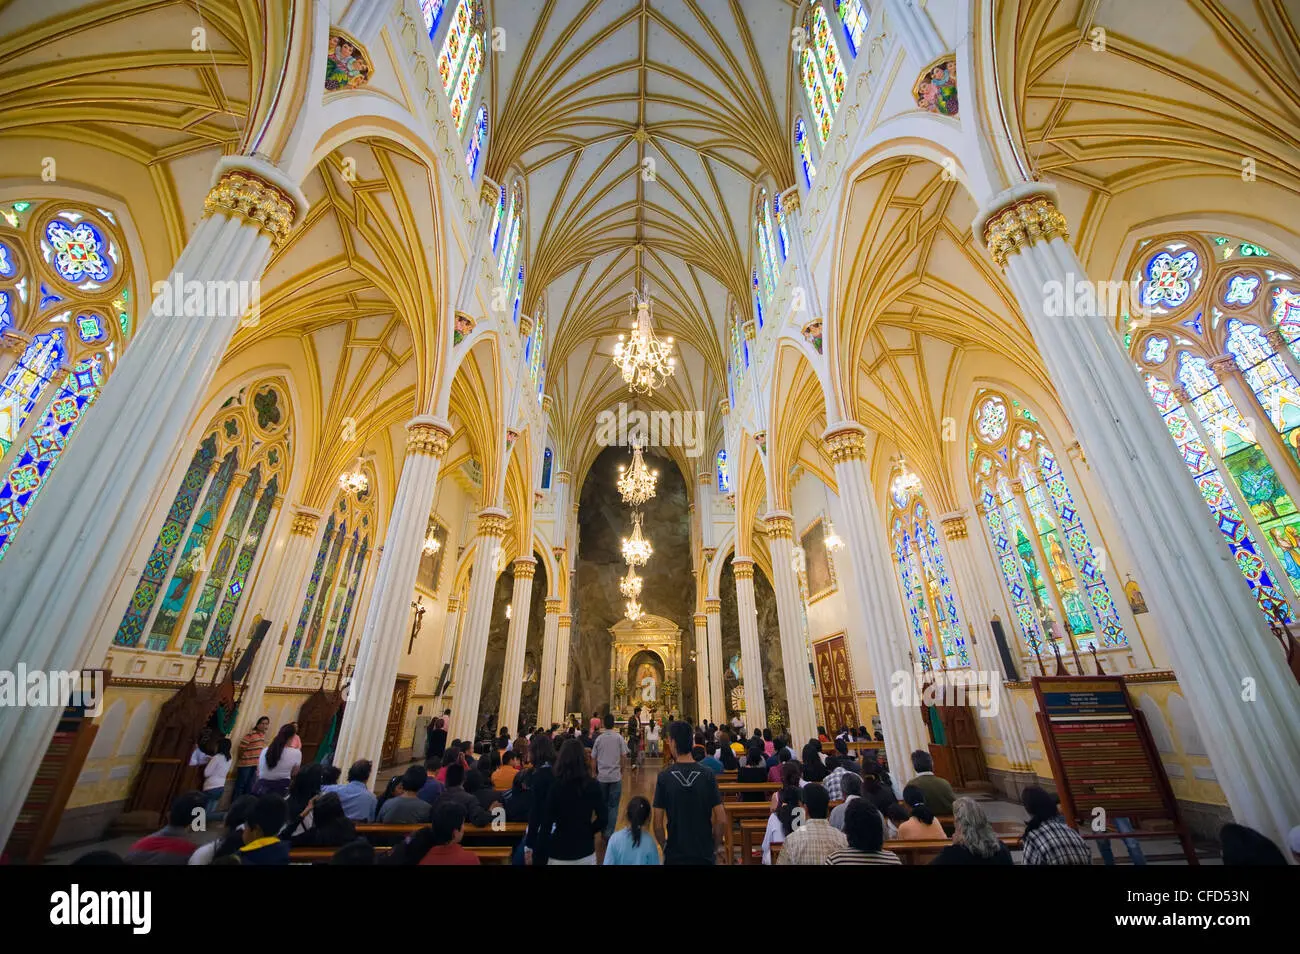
{"x":250,"y":750}
{"x":813,"y":842}
{"x":632,"y":845}
{"x":278,"y":763}
{"x":608,"y":752}
{"x":435,"y":740}
{"x":541,"y":755}
{"x":595,"y":723}
{"x":652,"y":738}
{"x":689,"y":820}
{"x":634,"y":737}
{"x":214,"y":777}
{"x":575,"y":810}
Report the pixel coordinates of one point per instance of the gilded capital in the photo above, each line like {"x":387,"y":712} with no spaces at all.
{"x":553,"y":607}
{"x":845,"y":443}
{"x":427,"y":436}
{"x":562,"y":476}
{"x":954,"y":528}
{"x":525,"y":326}
{"x":304,"y":523}
{"x":14,"y":341}
{"x":566,"y":620}
{"x":712,"y":606}
{"x":790,"y":201}
{"x":548,"y":403}
{"x":744,"y":569}
{"x":1223,"y":364}
{"x":490,"y":193}
{"x":1277,"y":339}
{"x":780,"y":524}
{"x":492,"y":523}
{"x":1021,"y":223}
{"x":724,"y":406}
{"x":242,"y":194}
{"x":453,"y":604}
{"x":701,"y":620}
{"x":524,"y":568}
{"x":1180,"y":393}
{"x":751,"y":329}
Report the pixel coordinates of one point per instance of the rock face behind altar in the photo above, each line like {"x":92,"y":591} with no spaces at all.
{"x":645,"y":659}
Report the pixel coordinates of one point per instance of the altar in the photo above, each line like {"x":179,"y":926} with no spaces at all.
{"x":645,"y":667}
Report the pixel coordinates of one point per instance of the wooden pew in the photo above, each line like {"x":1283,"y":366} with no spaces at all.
{"x":731,"y":791}
{"x":487,"y":854}
{"x":378,"y":834}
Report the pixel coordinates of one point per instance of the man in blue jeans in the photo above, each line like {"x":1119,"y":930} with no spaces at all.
{"x":608,"y":752}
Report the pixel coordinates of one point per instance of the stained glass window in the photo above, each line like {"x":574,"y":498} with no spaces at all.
{"x":40,"y":454}
{"x":497,"y":217}
{"x":828,"y":56}
{"x":432,"y":12}
{"x":26,"y":382}
{"x":327,"y":586}
{"x":813,"y":88}
{"x":234,"y":591}
{"x":537,"y":346}
{"x":1241,"y":542}
{"x":928,"y":595}
{"x":724,"y":473}
{"x":513,"y":229}
{"x":547,"y":462}
{"x":1233,"y":439}
{"x":477,"y":140}
{"x":940,"y":588}
{"x":918,"y":616}
{"x":340,"y":595}
{"x":169,"y":537}
{"x":763,"y":239}
{"x":805,"y":151}
{"x":222,"y":563}
{"x":758,"y":297}
{"x":313,"y":586}
{"x":854,"y":17}
{"x":454,"y":45}
{"x":336,"y":651}
{"x":782,"y":231}
{"x":1286,"y":315}
{"x":1077,"y":619}
{"x":194,"y":558}
{"x":466,"y":82}
{"x":1269,"y":378}
{"x":1012,"y":570}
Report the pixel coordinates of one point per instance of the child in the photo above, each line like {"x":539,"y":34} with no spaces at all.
{"x":652,"y":737}
{"x":631,"y":845}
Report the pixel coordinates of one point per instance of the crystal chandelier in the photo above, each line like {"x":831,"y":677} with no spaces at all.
{"x":630,"y":585}
{"x":906,"y":483}
{"x":832,"y":539}
{"x":634,"y":611}
{"x":636,"y":549}
{"x":636,"y":483}
{"x":431,"y":543}
{"x":644,"y":360}
{"x":354,"y":481}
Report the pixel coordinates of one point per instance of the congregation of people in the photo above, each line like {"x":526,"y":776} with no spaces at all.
{"x":835,"y":804}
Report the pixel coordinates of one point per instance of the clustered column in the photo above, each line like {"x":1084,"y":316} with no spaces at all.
{"x":751,"y":653}
{"x":717,"y":692}
{"x":450,"y":627}
{"x":561,"y":697}
{"x":382,"y":638}
{"x":97,"y":501}
{"x":478,"y":616}
{"x":794,"y":645}
{"x":874,"y":601}
{"x":512,"y":680}
{"x":550,"y":644}
{"x":1245,"y":701}
{"x":703,"y":702}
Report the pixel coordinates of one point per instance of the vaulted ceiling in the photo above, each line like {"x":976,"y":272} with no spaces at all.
{"x":641,"y":128}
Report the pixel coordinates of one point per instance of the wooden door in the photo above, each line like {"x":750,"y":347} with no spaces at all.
{"x":835,"y":684}
{"x":396,"y":716}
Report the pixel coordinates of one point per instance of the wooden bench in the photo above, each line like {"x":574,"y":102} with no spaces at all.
{"x":378,"y":834}
{"x":731,"y":791}
{"x":487,"y":854}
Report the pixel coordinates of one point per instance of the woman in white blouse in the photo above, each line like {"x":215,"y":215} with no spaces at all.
{"x":781,"y":822}
{"x":278,"y":763}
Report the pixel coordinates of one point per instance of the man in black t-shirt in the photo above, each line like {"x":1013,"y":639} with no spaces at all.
{"x":688,"y":805}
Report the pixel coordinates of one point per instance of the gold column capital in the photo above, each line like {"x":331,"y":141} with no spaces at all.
{"x":525,"y":326}
{"x":492,"y":522}
{"x":427,"y":435}
{"x":548,"y":403}
{"x":491,"y":192}
{"x":1277,"y":339}
{"x":566,"y":619}
{"x":553,"y":606}
{"x":1180,"y":393}
{"x":743,"y":568}
{"x":790,"y":200}
{"x":242,"y":194}
{"x":724,"y":406}
{"x":954,"y":527}
{"x":712,"y":606}
{"x":845,"y":441}
{"x":701,"y":619}
{"x":524,"y":568}
{"x":453,"y":604}
{"x":562,"y":477}
{"x":751,"y":329}
{"x":14,"y":341}
{"x":304,"y":523}
{"x":1029,"y":216}
{"x":779,"y":524}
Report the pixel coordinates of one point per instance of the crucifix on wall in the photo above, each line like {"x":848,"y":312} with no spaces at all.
{"x":418,"y":606}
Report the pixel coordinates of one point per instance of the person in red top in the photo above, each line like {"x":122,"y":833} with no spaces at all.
{"x":448,"y":830}
{"x":174,"y":844}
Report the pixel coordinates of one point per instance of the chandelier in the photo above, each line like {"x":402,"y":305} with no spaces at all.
{"x":832,"y":539}
{"x":431,"y":543}
{"x":634,"y":611}
{"x":906,"y":483}
{"x":636,"y":549}
{"x":636,"y":483}
{"x":630,"y":585}
{"x":354,"y":481}
{"x":644,"y":360}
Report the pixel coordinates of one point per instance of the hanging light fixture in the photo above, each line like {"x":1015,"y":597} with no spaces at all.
{"x":643,"y":359}
{"x":832,"y":539}
{"x":906,"y":483}
{"x":630,"y":585}
{"x":431,"y":542}
{"x":637,"y":483}
{"x":354,"y":481}
{"x":636,"y":549}
{"x":633,"y":611}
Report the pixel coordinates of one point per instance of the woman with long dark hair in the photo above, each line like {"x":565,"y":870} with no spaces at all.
{"x":921,"y":824}
{"x":303,"y":787}
{"x":278,"y":763}
{"x":728,"y":758}
{"x":633,"y":845}
{"x":541,"y":755}
{"x":575,"y":810}
{"x":781,"y":822}
{"x":814,"y":769}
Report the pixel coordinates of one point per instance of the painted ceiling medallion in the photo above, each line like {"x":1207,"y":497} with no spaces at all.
{"x":348,"y":65}
{"x":936,"y":90}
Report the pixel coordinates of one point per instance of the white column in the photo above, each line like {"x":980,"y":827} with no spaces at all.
{"x":975,"y":612}
{"x":560,"y":489}
{"x":703,"y":698}
{"x":918,"y":31}
{"x":1245,"y":701}
{"x":512,"y":679}
{"x":751,"y":654}
{"x":561,"y":697}
{"x":450,"y":627}
{"x":383,"y":637}
{"x":717,"y":691}
{"x":873,"y":599}
{"x":794,"y":647}
{"x":472,"y":656}
{"x":550,"y":645}
{"x":91,"y":511}
{"x":285,"y":592}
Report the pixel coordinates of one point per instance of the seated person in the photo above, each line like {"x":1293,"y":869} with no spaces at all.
{"x":938,"y":793}
{"x":973,"y":842}
{"x":706,"y":757}
{"x":173,"y":844}
{"x":1049,"y":839}
{"x":781,"y":822}
{"x":448,"y":830}
{"x":456,"y":794}
{"x":406,"y":807}
{"x":921,"y":823}
{"x":812,"y":842}
{"x":330,"y":827}
{"x":865,"y":831}
{"x":262,"y":846}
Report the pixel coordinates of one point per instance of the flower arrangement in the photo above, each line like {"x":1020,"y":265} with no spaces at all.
{"x":776,"y":721}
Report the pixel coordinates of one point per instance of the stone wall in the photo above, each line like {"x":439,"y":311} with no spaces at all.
{"x":769,"y":639}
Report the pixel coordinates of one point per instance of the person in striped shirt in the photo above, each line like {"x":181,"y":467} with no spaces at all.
{"x":250,"y":750}
{"x":865,"y":831}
